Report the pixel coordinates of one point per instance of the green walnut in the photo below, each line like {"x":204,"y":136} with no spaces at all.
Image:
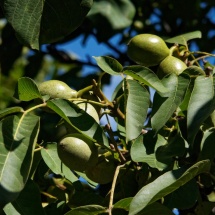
{"x":103,"y":172}
{"x":171,"y":65}
{"x":147,"y":49}
{"x":93,"y":97}
{"x":77,"y":152}
{"x":57,"y":89}
{"x":88,"y":108}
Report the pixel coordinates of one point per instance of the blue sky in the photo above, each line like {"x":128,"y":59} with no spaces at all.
{"x":93,"y":48}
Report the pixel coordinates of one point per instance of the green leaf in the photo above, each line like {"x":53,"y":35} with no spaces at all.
{"x":90,"y":182}
{"x":25,"y":17}
{"x":185,"y":197}
{"x":26,"y":90}
{"x":78,"y":118}
{"x":200,"y":106}
{"x":109,"y":11}
{"x":207,"y":145}
{"x":38,"y":22}
{"x":138,"y":150}
{"x":11,"y":110}
{"x":118,"y":91}
{"x":156,"y":208}
{"x":184,"y":105}
{"x":166,"y":184}
{"x":174,"y":147}
{"x":144,"y":147}
{"x":193,"y":71}
{"x":109,"y":65}
{"x":136,"y":109}
{"x":87,"y":210}
{"x":52,"y":160}
{"x":152,"y":209}
{"x":18,"y":136}
{"x":123,"y":203}
{"x":28,"y":202}
{"x":163,"y":108}
{"x":145,"y":76}
{"x":183,"y":38}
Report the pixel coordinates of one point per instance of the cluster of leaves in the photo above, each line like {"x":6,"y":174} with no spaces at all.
{"x":166,"y":150}
{"x":57,"y":24}
{"x":161,"y":146}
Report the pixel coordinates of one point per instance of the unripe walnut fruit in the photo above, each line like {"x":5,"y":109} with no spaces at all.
{"x":57,"y":89}
{"x":171,"y":65}
{"x":77,"y":152}
{"x":88,"y":108}
{"x":147,"y":49}
{"x":90,"y":96}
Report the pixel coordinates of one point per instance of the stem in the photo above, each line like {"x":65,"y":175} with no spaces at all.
{"x":84,"y":90}
{"x":97,"y":91}
{"x":172,"y":49}
{"x":110,"y":132}
{"x":113,"y":188}
{"x":100,"y":79}
{"x":89,"y":101}
{"x":199,"y":58}
{"x":38,"y":149}
{"x":203,"y":53}
{"x":120,"y":114}
{"x":197,"y":63}
{"x":67,"y":59}
{"x":100,"y":94}
{"x":48,"y":195}
{"x":119,"y":98}
{"x":35,"y":107}
{"x":31,"y":109}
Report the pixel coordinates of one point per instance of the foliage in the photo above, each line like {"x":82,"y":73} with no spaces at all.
{"x":163,"y":144}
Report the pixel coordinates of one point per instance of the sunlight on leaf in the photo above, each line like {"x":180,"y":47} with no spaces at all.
{"x":109,"y":65}
{"x":78,"y":118}
{"x":165,"y":184}
{"x":26,"y":90}
{"x":136,"y":109}
{"x":145,"y":76}
{"x":52,"y":160}
{"x":183,"y":38}
{"x":164,"y":107}
{"x":28,"y":202}
{"x":11,"y":110}
{"x":18,"y":136}
{"x":39,"y":22}
{"x":201,"y":104}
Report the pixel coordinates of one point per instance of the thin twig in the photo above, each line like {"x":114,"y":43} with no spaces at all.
{"x":199,"y":58}
{"x":100,"y":94}
{"x":110,"y":132}
{"x":113,"y":188}
{"x":38,"y":149}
